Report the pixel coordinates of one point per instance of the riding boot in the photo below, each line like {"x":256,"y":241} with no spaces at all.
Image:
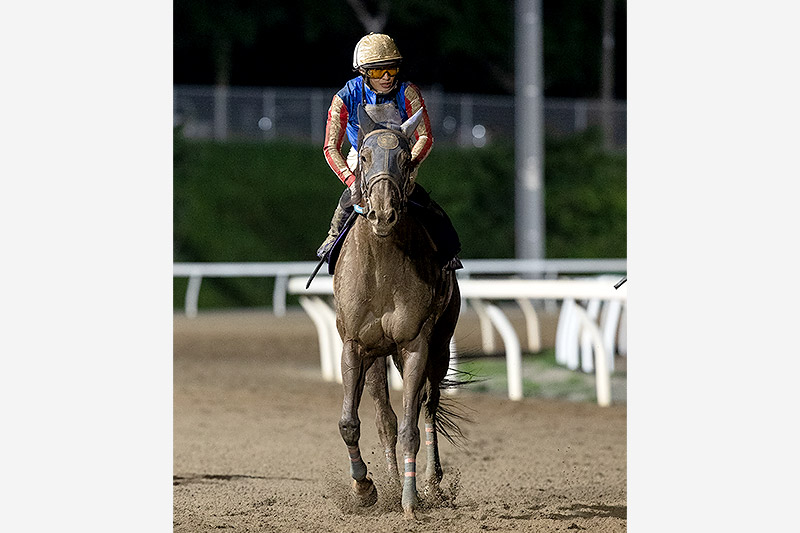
{"x":340,"y":216}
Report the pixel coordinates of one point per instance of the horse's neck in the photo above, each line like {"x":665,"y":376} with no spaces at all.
{"x":379,"y":250}
{"x":389,"y":252}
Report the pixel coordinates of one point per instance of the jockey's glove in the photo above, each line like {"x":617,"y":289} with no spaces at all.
{"x":356,"y":199}
{"x":355,"y":192}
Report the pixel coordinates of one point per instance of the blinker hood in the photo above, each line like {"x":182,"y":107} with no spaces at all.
{"x":372,"y":117}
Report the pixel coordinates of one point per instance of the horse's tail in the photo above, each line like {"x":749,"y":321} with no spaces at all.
{"x":448,"y":412}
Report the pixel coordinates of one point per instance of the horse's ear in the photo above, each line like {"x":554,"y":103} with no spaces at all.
{"x":365,"y":122}
{"x":411,"y":124}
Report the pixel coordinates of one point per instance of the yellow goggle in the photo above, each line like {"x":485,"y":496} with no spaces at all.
{"x":376,"y":73}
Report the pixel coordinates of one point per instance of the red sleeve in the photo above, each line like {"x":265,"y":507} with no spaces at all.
{"x":334,"y":137}
{"x":423,"y":134}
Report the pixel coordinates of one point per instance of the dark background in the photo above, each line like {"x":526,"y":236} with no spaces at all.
{"x":463,"y":46}
{"x":233,"y":200}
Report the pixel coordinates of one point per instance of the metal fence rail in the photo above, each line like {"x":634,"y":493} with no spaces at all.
{"x":268,"y":113}
{"x":282,"y":270}
{"x":598,"y":351}
{"x":585,"y":336}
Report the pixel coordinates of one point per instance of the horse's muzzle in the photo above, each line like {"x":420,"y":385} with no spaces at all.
{"x":384,"y":202}
{"x":382,"y":221}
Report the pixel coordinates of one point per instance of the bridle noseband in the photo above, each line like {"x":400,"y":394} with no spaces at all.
{"x":377,"y":178}
{"x":387,"y":142}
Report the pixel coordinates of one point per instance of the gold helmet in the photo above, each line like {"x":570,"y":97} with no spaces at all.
{"x":375,"y":49}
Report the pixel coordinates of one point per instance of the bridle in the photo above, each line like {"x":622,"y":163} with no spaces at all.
{"x":377,"y":178}
{"x":388,"y":141}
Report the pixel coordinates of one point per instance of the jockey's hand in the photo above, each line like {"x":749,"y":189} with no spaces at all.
{"x":413,"y":168}
{"x":355,"y":197}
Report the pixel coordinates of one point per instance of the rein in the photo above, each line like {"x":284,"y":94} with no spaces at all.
{"x":374,"y":180}
{"x":400,"y":184}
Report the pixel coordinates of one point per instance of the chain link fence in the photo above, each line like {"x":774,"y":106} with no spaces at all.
{"x":246,"y":113}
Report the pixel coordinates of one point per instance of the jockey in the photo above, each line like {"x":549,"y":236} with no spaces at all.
{"x":377,"y":61}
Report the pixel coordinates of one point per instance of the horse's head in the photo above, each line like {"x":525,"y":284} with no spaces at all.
{"x":385,"y":169}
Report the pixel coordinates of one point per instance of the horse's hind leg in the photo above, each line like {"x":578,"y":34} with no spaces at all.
{"x":354,"y":370}
{"x":433,"y":473}
{"x":438,"y":365}
{"x":385,"y":418}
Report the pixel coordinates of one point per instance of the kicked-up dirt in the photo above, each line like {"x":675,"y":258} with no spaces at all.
{"x":257,"y":446}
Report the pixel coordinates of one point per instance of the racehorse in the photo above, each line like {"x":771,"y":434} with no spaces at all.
{"x":393,"y":299}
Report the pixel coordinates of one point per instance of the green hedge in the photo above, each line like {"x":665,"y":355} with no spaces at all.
{"x":273,"y":202}
{"x":585,"y":199}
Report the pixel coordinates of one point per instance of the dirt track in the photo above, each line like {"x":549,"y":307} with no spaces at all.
{"x":257,"y":447}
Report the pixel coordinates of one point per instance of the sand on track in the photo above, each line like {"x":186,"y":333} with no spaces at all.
{"x":257,"y":446}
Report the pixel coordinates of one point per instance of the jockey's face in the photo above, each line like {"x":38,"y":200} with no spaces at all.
{"x":385,"y":82}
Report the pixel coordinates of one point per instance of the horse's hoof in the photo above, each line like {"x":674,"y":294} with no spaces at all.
{"x":365,"y":492}
{"x":409,"y":514}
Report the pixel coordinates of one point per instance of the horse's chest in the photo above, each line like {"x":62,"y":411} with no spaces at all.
{"x":392,"y":318}
{"x":384,"y":298}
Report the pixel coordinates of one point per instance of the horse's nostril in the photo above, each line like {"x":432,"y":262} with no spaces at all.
{"x":372,"y":216}
{"x":392,"y":217}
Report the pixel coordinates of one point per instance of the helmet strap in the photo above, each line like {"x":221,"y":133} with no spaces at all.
{"x":364,"y":89}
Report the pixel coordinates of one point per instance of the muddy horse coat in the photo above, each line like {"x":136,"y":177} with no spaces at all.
{"x":393,"y":299}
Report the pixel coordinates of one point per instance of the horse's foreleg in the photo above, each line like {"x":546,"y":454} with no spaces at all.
{"x":385,"y":418}
{"x":354,"y":370}
{"x":413,"y":379}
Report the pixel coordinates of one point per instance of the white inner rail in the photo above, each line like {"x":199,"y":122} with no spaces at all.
{"x":494,"y":290}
